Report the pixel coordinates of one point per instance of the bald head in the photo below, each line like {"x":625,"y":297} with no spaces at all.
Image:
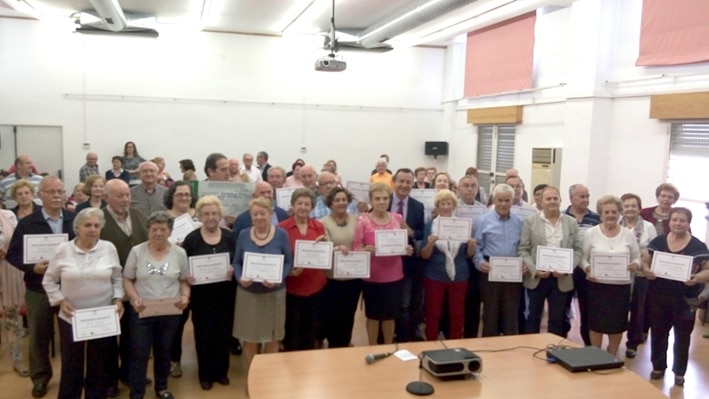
{"x":91,"y":159}
{"x":116,"y":193}
{"x":326,"y":182}
{"x":308,"y":176}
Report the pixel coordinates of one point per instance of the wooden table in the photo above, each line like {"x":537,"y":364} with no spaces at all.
{"x":343,"y":373}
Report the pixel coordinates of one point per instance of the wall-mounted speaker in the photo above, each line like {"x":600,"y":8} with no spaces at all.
{"x":436,"y":148}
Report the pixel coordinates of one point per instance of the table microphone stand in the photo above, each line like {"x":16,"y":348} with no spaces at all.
{"x":420,"y":387}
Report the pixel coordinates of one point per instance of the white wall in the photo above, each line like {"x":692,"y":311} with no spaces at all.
{"x":187,"y":94}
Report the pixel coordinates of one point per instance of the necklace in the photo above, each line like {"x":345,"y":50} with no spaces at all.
{"x":265,"y":236}
{"x":339,"y":223}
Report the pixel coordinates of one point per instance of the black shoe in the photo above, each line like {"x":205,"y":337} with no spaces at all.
{"x":112,"y":392}
{"x":164,"y":395}
{"x":236,"y":348}
{"x":39,"y":390}
{"x":224,"y":381}
{"x":657,"y":374}
{"x":206,"y":385}
{"x":679,"y":380}
{"x":631,"y":353}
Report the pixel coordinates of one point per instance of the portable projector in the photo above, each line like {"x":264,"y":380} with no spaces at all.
{"x":454,"y":362}
{"x":330,"y":64}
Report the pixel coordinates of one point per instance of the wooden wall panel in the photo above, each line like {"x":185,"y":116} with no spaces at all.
{"x":497,"y":115}
{"x":680,"y":106}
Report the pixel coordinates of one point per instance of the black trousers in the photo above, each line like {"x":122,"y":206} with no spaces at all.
{"x":40,"y":320}
{"x":83,"y":365}
{"x":472,"y":303}
{"x":176,"y":350}
{"x":500,"y":307}
{"x":338,"y":306}
{"x":411,"y":315}
{"x":212,"y":317}
{"x":120,"y":352}
{"x":547,"y":290}
{"x":301,"y":321}
{"x":668,"y":311}
{"x":582,"y":298}
{"x":638,"y":313}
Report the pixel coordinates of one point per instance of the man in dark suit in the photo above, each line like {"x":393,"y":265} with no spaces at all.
{"x":50,"y":219}
{"x":125,"y":227}
{"x":412,"y":300}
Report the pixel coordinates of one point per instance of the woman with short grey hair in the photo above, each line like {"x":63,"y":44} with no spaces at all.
{"x":155,"y":269}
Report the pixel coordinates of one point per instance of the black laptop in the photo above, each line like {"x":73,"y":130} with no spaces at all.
{"x":585,"y":359}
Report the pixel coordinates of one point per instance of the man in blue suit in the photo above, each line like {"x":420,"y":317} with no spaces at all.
{"x":412,"y":300}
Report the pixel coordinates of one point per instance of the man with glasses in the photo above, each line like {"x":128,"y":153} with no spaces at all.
{"x":50,"y":219}
{"x":326,"y":182}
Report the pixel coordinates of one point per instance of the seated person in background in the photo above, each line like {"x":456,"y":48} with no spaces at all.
{"x":420,"y":176}
{"x":131,"y":161}
{"x":89,"y":168}
{"x":382,"y":174}
{"x":77,"y":197}
{"x":293,"y":179}
{"x":430,"y":174}
{"x":117,"y":172}
{"x":189,"y":172}
{"x":164,"y":178}
{"x":93,"y":188}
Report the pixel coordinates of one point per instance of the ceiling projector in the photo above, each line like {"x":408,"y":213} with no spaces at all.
{"x":330,"y":64}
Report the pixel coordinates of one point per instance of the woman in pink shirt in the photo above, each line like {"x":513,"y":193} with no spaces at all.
{"x":382,"y":290}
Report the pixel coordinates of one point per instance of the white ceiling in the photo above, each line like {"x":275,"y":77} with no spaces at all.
{"x":272,"y":17}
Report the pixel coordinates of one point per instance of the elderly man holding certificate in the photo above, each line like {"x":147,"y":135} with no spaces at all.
{"x":550,"y":247}
{"x":610,"y":257}
{"x":497,"y":235}
{"x":679,"y":272}
{"x":446,"y":267}
{"x":84,"y":279}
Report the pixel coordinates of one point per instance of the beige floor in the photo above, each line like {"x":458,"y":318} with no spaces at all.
{"x":697,"y":386}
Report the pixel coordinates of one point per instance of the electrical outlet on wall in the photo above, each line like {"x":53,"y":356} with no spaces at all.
{"x":303,"y":149}
{"x":86,"y":145}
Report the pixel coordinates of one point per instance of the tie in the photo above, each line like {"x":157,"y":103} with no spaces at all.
{"x":400,"y":208}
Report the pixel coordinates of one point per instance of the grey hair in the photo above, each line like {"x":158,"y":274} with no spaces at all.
{"x":503,"y":189}
{"x":88,"y":213}
{"x":160,"y":217}
{"x":573,"y":187}
{"x":275,"y":168}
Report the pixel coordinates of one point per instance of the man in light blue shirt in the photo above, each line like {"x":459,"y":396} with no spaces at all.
{"x":498,"y":234}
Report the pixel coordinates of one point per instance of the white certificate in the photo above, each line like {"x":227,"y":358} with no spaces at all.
{"x":523,"y":211}
{"x":672,"y":266}
{"x":95,"y":323}
{"x":359,"y":190}
{"x":283,"y":197}
{"x":181,"y":226}
{"x":453,"y":229}
{"x":560,"y":260}
{"x":505,"y":269}
{"x":608,"y":266}
{"x":313,"y":255}
{"x":472,"y":212}
{"x":235,"y":196}
{"x":353,"y":265}
{"x":423,"y":195}
{"x":263,"y":267}
{"x":39,"y":247}
{"x":160,"y":307}
{"x":390,"y":242}
{"x":207,"y":269}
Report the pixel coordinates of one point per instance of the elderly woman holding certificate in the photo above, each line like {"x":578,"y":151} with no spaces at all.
{"x":83,"y":274}
{"x":445,"y":271}
{"x":543,"y":235}
{"x":303,"y":285}
{"x":610,"y":258}
{"x":260,"y":314}
{"x":382,"y":291}
{"x":340,"y":295}
{"x":212,"y":307}
{"x":671,"y":298}
{"x":155,"y":280}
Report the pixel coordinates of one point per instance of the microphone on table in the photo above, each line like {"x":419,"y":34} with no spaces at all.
{"x":373,"y":357}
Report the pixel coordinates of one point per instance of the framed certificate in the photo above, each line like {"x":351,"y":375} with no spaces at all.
{"x":453,"y":229}
{"x":39,"y":247}
{"x":608,"y":266}
{"x":390,"y":242}
{"x":283,"y":196}
{"x":160,"y":307}
{"x":550,"y":259}
{"x":505,"y":269}
{"x":182,"y":226}
{"x":93,"y":323}
{"x":359,"y":190}
{"x":523,"y":211}
{"x":313,"y":255}
{"x":353,"y":265}
{"x":671,"y":266}
{"x":472,"y":212}
{"x":263,"y":267}
{"x":423,"y":195}
{"x":207,"y":269}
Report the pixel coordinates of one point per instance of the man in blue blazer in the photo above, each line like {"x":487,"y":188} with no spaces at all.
{"x":412,"y":211}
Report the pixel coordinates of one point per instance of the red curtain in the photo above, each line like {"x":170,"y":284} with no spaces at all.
{"x":499,"y":58}
{"x":674,"y":32}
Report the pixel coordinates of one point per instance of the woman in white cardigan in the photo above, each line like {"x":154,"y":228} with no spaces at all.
{"x":609,"y":295}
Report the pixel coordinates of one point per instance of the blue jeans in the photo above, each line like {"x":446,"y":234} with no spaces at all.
{"x":151,"y":332}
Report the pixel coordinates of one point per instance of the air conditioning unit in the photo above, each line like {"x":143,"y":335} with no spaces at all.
{"x":546,"y":166}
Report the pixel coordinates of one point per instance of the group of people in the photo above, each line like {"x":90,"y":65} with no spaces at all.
{"x":120,"y":253}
